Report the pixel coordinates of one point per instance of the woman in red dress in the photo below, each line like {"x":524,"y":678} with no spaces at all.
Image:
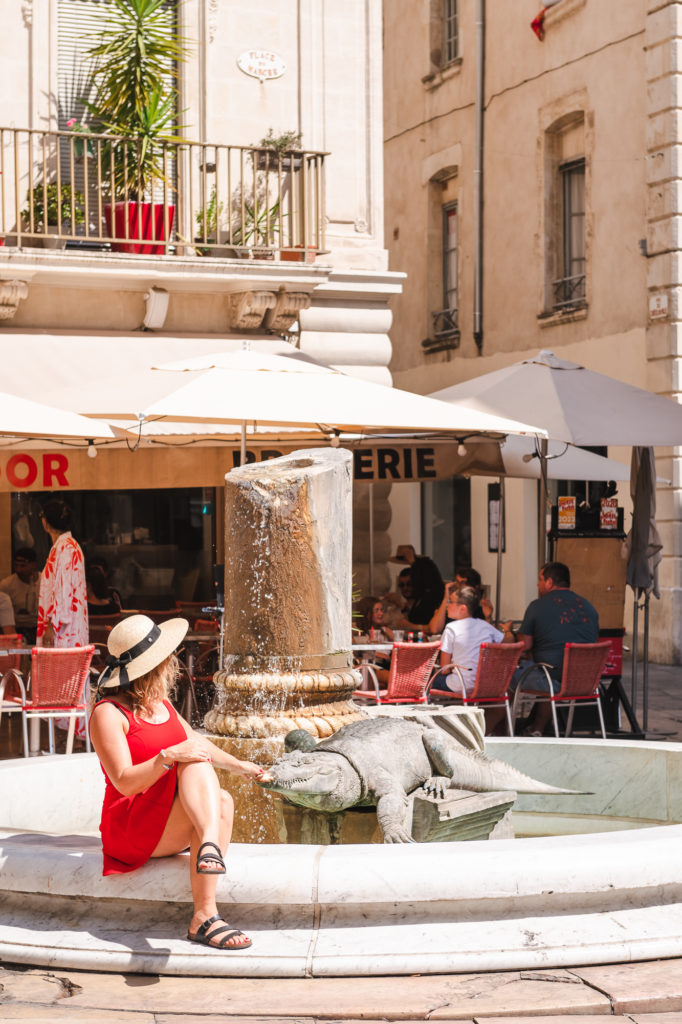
{"x":162,"y":794}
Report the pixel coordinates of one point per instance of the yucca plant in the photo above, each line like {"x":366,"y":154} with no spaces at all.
{"x":134,"y":68}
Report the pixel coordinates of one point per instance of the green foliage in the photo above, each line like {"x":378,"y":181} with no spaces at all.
{"x":282,"y":143}
{"x":207,"y":218}
{"x":134,"y":64}
{"x":71,"y":201}
{"x":259,"y":228}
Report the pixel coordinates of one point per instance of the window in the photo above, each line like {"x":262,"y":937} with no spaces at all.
{"x":569,"y":287}
{"x":450,"y":50}
{"x":445,"y":319}
{"x":565,"y":217}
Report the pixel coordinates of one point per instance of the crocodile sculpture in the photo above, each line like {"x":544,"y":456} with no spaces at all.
{"x":380,"y":761}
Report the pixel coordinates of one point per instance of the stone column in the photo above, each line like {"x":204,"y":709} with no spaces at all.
{"x":663,"y":42}
{"x":287,"y":661}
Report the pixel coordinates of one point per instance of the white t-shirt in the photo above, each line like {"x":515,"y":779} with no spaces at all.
{"x":462,"y":640}
{"x":6,"y":610}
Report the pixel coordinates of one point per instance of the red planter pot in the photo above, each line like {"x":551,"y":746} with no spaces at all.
{"x":299,"y":255}
{"x":140,"y":218}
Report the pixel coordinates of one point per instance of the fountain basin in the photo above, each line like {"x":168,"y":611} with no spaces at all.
{"x":556,"y":900}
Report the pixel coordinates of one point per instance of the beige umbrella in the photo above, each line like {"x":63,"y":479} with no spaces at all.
{"x":22,"y":417}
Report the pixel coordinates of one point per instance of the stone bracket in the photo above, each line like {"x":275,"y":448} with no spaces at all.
{"x":286,"y":309}
{"x":275,"y":311}
{"x":11,"y":294}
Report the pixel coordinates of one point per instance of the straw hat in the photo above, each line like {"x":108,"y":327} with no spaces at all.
{"x":405,"y":555}
{"x":136,"y":645}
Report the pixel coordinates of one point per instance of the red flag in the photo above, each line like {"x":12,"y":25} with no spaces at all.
{"x":538,"y":24}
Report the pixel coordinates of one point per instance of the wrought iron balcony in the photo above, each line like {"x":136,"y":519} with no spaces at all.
{"x":85,"y":190}
{"x":568,"y":292}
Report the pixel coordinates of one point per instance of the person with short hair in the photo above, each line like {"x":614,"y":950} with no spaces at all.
{"x":161,"y":792}
{"x":558,"y":616}
{"x":62,"y":598}
{"x":21,"y":587}
{"x":463,"y":636}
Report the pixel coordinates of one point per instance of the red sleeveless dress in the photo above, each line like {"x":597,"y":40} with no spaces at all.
{"x":131,"y":826}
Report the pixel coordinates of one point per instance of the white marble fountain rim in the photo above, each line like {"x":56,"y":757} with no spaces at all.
{"x":351,"y":910}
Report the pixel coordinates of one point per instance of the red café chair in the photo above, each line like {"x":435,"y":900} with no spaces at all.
{"x":583,"y":667}
{"x":12,"y":696}
{"x":496,"y":665}
{"x":57,"y":689}
{"x":408,"y":675}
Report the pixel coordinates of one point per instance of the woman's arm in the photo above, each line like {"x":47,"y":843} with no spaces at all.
{"x":219,"y":757}
{"x":108,"y":734}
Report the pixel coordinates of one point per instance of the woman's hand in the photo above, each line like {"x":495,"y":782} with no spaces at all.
{"x":187,"y":751}
{"x":247,"y":770}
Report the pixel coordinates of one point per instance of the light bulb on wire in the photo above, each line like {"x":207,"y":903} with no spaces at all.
{"x":92,"y":451}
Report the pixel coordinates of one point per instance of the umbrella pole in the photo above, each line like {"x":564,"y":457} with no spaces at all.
{"x":645,"y":665}
{"x":370,"y":506}
{"x":243,"y":447}
{"x":500,"y":525}
{"x":542,"y":504}
{"x":635,"y":642}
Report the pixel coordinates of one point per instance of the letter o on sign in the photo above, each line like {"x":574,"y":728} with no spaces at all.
{"x":16,"y":476}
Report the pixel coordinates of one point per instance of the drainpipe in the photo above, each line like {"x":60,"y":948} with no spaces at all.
{"x":478,"y":176}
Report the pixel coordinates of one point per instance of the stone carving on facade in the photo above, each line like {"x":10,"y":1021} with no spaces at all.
{"x":27,"y":12}
{"x":247,"y":309}
{"x":11,"y":294}
{"x":286,"y":310}
{"x":212,"y":19}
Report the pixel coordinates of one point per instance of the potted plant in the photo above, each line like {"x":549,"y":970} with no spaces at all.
{"x":254,"y":233}
{"x":272,"y":149}
{"x":134,"y":64}
{"x":53,"y":207}
{"x":207,"y":220}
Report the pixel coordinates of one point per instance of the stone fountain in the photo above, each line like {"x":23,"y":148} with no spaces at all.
{"x":288,"y":618}
{"x":604,"y":884}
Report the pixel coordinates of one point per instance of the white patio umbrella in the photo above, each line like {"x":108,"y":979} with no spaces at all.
{"x":22,"y":417}
{"x":574,"y":404}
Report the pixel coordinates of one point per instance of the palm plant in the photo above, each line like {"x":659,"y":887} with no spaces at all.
{"x":135,"y":63}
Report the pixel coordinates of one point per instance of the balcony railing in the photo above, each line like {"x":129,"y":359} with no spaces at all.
{"x":568,"y":292}
{"x":103,"y":192}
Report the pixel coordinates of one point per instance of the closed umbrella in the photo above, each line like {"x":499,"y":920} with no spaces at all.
{"x":644,"y":554}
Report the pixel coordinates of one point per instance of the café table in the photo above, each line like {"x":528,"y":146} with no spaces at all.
{"x":188,"y":654}
{"x":365,"y":651}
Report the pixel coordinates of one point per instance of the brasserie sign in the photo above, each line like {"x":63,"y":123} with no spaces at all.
{"x":167,"y":467}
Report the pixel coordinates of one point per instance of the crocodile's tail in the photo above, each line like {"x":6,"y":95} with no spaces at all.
{"x":482,"y":774}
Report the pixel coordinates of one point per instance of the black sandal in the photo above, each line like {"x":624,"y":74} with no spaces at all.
{"x":228,"y":933}
{"x":217,"y":857}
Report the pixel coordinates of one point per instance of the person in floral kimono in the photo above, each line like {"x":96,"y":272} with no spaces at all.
{"x":62,"y":601}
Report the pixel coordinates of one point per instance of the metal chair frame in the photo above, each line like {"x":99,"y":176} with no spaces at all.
{"x":494,"y":671}
{"x":572,"y":688}
{"x":11,"y":665}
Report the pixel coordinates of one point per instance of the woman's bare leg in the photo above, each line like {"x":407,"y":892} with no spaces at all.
{"x":200,"y":813}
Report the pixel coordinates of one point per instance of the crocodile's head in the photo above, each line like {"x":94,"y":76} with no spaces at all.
{"x":321,"y":780}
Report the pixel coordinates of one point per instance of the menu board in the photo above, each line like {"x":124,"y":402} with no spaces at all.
{"x":566,"y":513}
{"x":608,"y":516}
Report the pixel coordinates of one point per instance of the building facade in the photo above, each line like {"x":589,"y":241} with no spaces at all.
{"x":249,"y":244}
{"x":533,"y":200}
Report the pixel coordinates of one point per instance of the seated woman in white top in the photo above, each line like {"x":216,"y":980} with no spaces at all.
{"x":462,"y":638}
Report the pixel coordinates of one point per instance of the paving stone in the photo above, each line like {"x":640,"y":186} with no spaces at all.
{"x":562,"y":1018}
{"x":32,"y":986}
{"x":674,"y":1017}
{"x":650,"y":987}
{"x":31,"y":1014}
{"x":520,"y":992}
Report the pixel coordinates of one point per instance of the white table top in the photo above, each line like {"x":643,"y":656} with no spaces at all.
{"x":373,"y":647}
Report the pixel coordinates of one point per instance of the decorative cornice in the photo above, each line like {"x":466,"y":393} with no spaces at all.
{"x":11,"y":294}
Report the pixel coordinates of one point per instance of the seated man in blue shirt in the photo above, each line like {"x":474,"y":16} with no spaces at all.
{"x":558,"y":616}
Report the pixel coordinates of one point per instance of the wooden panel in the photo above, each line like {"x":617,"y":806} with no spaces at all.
{"x":597,"y":573}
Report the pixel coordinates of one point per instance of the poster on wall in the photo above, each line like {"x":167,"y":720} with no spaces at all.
{"x":566,"y":513}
